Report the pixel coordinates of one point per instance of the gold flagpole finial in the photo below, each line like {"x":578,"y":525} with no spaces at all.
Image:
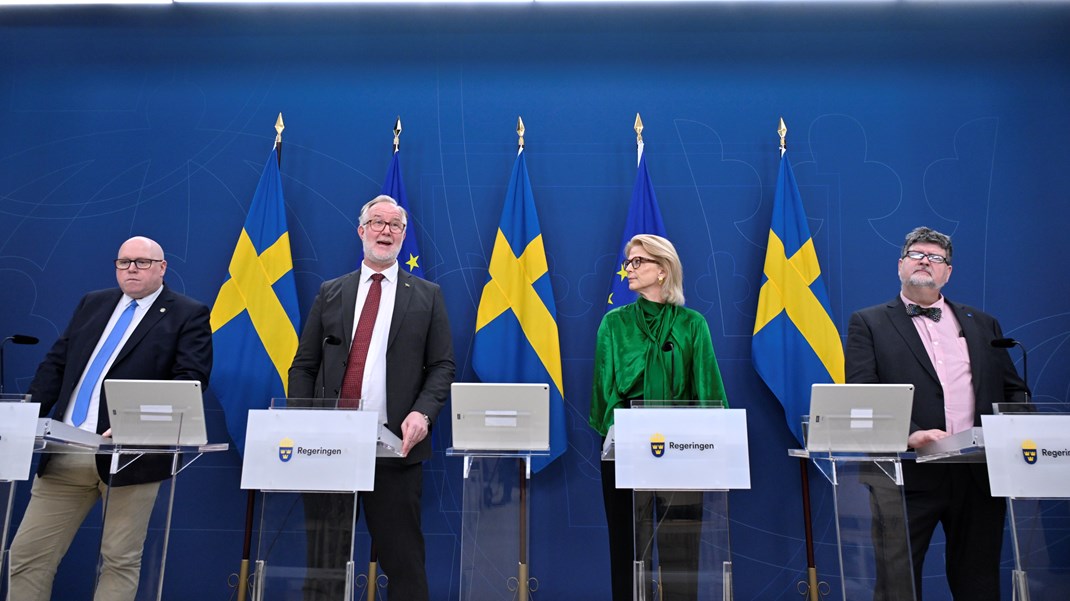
{"x":520,"y":131}
{"x":783,"y":131}
{"x":397,"y":134}
{"x":638,"y":129}
{"x":279,"y":126}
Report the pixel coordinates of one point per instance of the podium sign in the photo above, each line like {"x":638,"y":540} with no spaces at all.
{"x":1028,"y":455}
{"x":310,"y":450}
{"x":681,"y":449}
{"x":18,"y":427}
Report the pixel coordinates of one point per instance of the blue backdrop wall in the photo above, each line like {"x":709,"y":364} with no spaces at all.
{"x":157,"y":121}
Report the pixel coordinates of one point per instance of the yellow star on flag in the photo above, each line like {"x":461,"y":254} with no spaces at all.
{"x":412,"y":262}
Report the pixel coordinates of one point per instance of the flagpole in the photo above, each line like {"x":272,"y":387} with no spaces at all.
{"x":638,"y":127}
{"x":522,"y":565}
{"x":250,"y":499}
{"x":373,"y":553}
{"x":811,"y":584}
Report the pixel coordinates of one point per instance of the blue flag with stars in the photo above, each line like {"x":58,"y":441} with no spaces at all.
{"x":517,"y":338}
{"x":644,"y":217}
{"x":394,"y":187}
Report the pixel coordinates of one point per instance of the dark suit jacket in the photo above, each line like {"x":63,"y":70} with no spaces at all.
{"x":172,"y":342}
{"x":883,"y":346}
{"x":419,"y":352}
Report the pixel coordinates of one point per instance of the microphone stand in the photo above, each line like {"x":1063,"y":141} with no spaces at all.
{"x":16,"y":339}
{"x":329,"y":340}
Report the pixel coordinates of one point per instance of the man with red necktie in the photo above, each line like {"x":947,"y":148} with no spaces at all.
{"x":396,"y":358}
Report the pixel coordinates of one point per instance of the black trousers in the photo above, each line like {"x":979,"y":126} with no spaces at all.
{"x":972,"y":520}
{"x":392,"y":513}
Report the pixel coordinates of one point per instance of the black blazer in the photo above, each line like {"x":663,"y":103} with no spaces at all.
{"x":419,"y":351}
{"x":173,"y":341}
{"x":883,"y":346}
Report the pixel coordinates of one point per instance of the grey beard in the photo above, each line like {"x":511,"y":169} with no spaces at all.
{"x":919,"y":282}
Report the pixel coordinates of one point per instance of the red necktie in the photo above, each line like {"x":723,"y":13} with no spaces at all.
{"x":358,"y":353}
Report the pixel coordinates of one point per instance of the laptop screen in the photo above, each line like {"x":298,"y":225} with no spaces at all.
{"x":501,"y":417}
{"x":865,"y":418}
{"x":156,"y":412}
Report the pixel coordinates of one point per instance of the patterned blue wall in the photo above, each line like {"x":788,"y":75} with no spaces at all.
{"x":156,"y":121}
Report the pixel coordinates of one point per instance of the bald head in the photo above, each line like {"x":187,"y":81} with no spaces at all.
{"x":137,"y":282}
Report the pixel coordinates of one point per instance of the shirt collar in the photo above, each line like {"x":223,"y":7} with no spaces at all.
{"x":938,"y":304}
{"x":144,"y":302}
{"x":390,"y":273}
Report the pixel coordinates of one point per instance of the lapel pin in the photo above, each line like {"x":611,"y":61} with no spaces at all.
{"x":163,"y":309}
{"x":407,"y":285}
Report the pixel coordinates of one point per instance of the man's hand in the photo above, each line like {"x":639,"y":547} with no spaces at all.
{"x":107,"y":433}
{"x":413,"y":430}
{"x":921,"y":438}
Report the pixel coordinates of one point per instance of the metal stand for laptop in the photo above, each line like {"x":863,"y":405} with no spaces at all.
{"x":495,"y":516}
{"x":178,"y":457}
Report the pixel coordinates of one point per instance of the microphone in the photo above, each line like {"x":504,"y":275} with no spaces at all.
{"x":331,"y":340}
{"x":1009,"y":343}
{"x":15,"y":339}
{"x":668,"y":347}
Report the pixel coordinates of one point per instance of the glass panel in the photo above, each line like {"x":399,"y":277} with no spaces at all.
{"x":871,"y":529}
{"x":494,"y":527}
{"x":682,"y":549}
{"x":305,"y":546}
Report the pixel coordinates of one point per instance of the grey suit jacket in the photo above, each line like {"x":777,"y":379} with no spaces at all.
{"x":419,"y":352}
{"x":883,"y":346}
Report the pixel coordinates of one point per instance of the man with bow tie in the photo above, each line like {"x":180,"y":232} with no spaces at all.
{"x":944,"y":349}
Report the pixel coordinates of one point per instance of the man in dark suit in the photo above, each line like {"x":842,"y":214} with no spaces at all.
{"x":141,"y":331}
{"x":944,"y":350}
{"x":396,"y":357}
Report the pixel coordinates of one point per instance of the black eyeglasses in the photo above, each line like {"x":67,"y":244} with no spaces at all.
{"x":917,"y":255}
{"x":637,"y":262}
{"x":141,"y":263}
{"x":377,"y":225}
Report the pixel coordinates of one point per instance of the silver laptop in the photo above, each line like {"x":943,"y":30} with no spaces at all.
{"x":500,"y":417}
{"x":156,"y":412}
{"x":864,"y":418}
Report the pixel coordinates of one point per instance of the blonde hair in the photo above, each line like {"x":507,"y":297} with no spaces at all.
{"x":662,"y":251}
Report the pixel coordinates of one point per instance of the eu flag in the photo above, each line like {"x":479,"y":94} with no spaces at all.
{"x":795,"y":343}
{"x":644,"y":217}
{"x":394,"y":187}
{"x":516,"y":337}
{"x":255,"y":318}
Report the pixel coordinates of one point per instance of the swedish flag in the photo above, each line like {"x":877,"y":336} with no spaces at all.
{"x":644,"y":217}
{"x":516,"y":337}
{"x":394,"y":187}
{"x":795,"y":343}
{"x":255,"y":318}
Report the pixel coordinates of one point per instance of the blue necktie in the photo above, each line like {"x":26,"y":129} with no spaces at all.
{"x":96,"y":369}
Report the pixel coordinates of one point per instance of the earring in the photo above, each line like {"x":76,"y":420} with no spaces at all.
{"x":661,"y":280}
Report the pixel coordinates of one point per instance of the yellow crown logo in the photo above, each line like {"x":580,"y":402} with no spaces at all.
{"x":286,"y":449}
{"x":657,"y":444}
{"x":1029,"y":451}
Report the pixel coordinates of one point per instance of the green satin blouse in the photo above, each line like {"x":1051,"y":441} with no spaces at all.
{"x":630,"y":362}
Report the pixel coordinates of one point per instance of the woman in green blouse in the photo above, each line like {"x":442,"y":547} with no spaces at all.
{"x":652,"y":349}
